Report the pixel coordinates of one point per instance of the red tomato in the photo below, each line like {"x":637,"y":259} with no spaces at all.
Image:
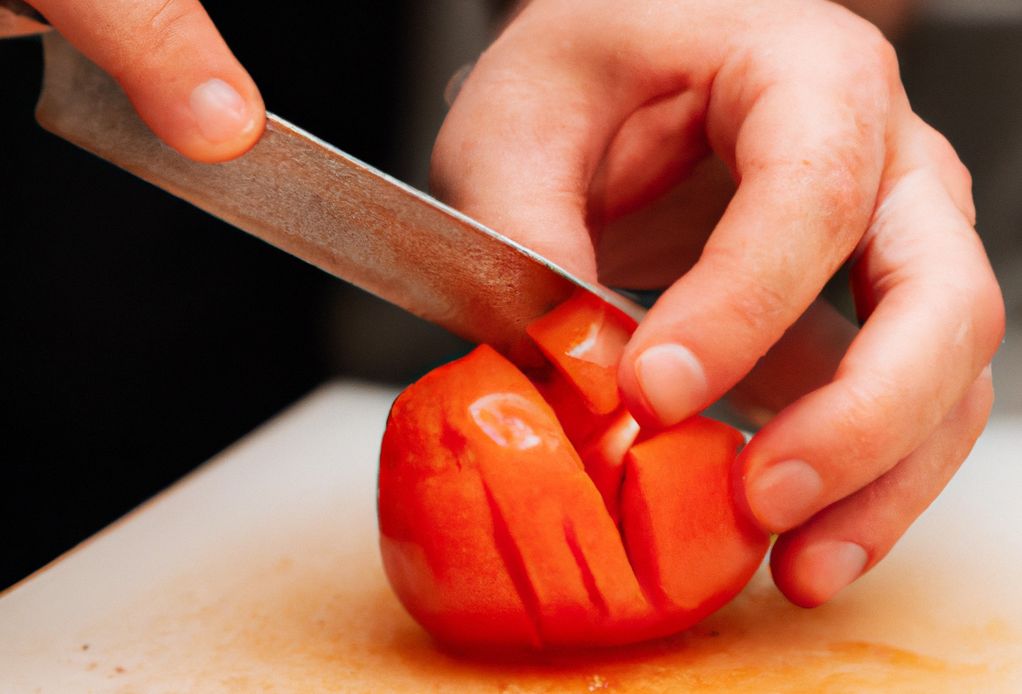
{"x":583,"y":338}
{"x":498,"y":528}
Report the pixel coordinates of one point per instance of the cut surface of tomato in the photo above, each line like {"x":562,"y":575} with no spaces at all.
{"x":583,"y":338}
{"x":688,"y":542}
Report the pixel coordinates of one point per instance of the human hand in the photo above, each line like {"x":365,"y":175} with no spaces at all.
{"x":585,"y":135}
{"x":173,"y":65}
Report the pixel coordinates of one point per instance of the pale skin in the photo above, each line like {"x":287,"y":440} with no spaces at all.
{"x":737,"y":152}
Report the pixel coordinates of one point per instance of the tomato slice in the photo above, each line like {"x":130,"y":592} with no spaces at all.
{"x":688,"y":542}
{"x":579,"y":422}
{"x":583,"y":338}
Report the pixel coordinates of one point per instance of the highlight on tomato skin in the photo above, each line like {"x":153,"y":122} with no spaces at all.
{"x":501,"y":528}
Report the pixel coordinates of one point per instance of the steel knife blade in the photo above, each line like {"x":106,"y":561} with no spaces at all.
{"x":315,"y":202}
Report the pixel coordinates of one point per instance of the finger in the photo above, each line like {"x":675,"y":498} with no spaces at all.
{"x":173,"y":65}
{"x":651,"y":247}
{"x":920,"y":147}
{"x":803,"y":360}
{"x":919,"y":144}
{"x":807,"y":186}
{"x":656,"y":147}
{"x":816,"y":560}
{"x":938,"y":320}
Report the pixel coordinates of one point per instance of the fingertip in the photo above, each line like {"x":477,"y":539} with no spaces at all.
{"x":811,"y":574}
{"x":218,"y":119}
{"x":223,"y":117}
{"x":663,"y":384}
{"x":783,"y":495}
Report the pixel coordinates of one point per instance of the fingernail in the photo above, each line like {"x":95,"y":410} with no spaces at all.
{"x":829,"y":566}
{"x":783,"y":495}
{"x":219,"y":110}
{"x":672,"y":381}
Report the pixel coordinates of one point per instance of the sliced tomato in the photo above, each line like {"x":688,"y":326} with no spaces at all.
{"x":580,"y":423}
{"x":524,"y":514}
{"x":438,"y":538}
{"x":503,"y":521}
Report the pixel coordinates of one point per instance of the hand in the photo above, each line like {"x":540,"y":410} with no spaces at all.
{"x":173,"y":65}
{"x":590,"y":134}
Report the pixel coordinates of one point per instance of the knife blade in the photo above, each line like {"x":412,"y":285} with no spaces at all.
{"x":329,"y":209}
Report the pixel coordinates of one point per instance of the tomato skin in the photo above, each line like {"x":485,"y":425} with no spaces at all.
{"x":437,"y":538}
{"x":501,"y":528}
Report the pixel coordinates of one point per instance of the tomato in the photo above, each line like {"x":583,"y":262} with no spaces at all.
{"x":583,"y":338}
{"x":499,"y":527}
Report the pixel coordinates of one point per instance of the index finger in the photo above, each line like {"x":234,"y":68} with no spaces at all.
{"x":174,"y":66}
{"x":806,"y":142}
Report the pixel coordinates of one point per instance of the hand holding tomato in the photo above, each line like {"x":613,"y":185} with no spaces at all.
{"x":741,"y":151}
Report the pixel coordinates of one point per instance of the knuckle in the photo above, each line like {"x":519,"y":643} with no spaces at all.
{"x":151,"y":31}
{"x":880,"y":52}
{"x":761,"y":306}
{"x":982,"y":315}
{"x":954,"y":172}
{"x":762,"y":309}
{"x":976,"y":405}
{"x":836,"y":176}
{"x":859,"y":424}
{"x":870,"y":51}
{"x":162,"y":18}
{"x":843,"y":192}
{"x":835,"y":173}
{"x":147,"y":37}
{"x":990,"y":316}
{"x":946,"y":155}
{"x":166,"y":20}
{"x":963,"y":180}
{"x":942,"y":151}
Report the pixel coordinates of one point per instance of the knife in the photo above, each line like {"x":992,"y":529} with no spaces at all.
{"x":319,"y":204}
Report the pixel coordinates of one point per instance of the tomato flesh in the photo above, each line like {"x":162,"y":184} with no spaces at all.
{"x":583,"y":338}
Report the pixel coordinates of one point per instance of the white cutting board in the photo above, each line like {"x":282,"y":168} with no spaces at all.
{"x":259,"y":573}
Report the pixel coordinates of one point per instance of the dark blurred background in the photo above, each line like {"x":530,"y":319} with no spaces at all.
{"x":141,"y":336}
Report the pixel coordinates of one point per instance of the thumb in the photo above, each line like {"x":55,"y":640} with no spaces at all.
{"x":173,"y":65}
